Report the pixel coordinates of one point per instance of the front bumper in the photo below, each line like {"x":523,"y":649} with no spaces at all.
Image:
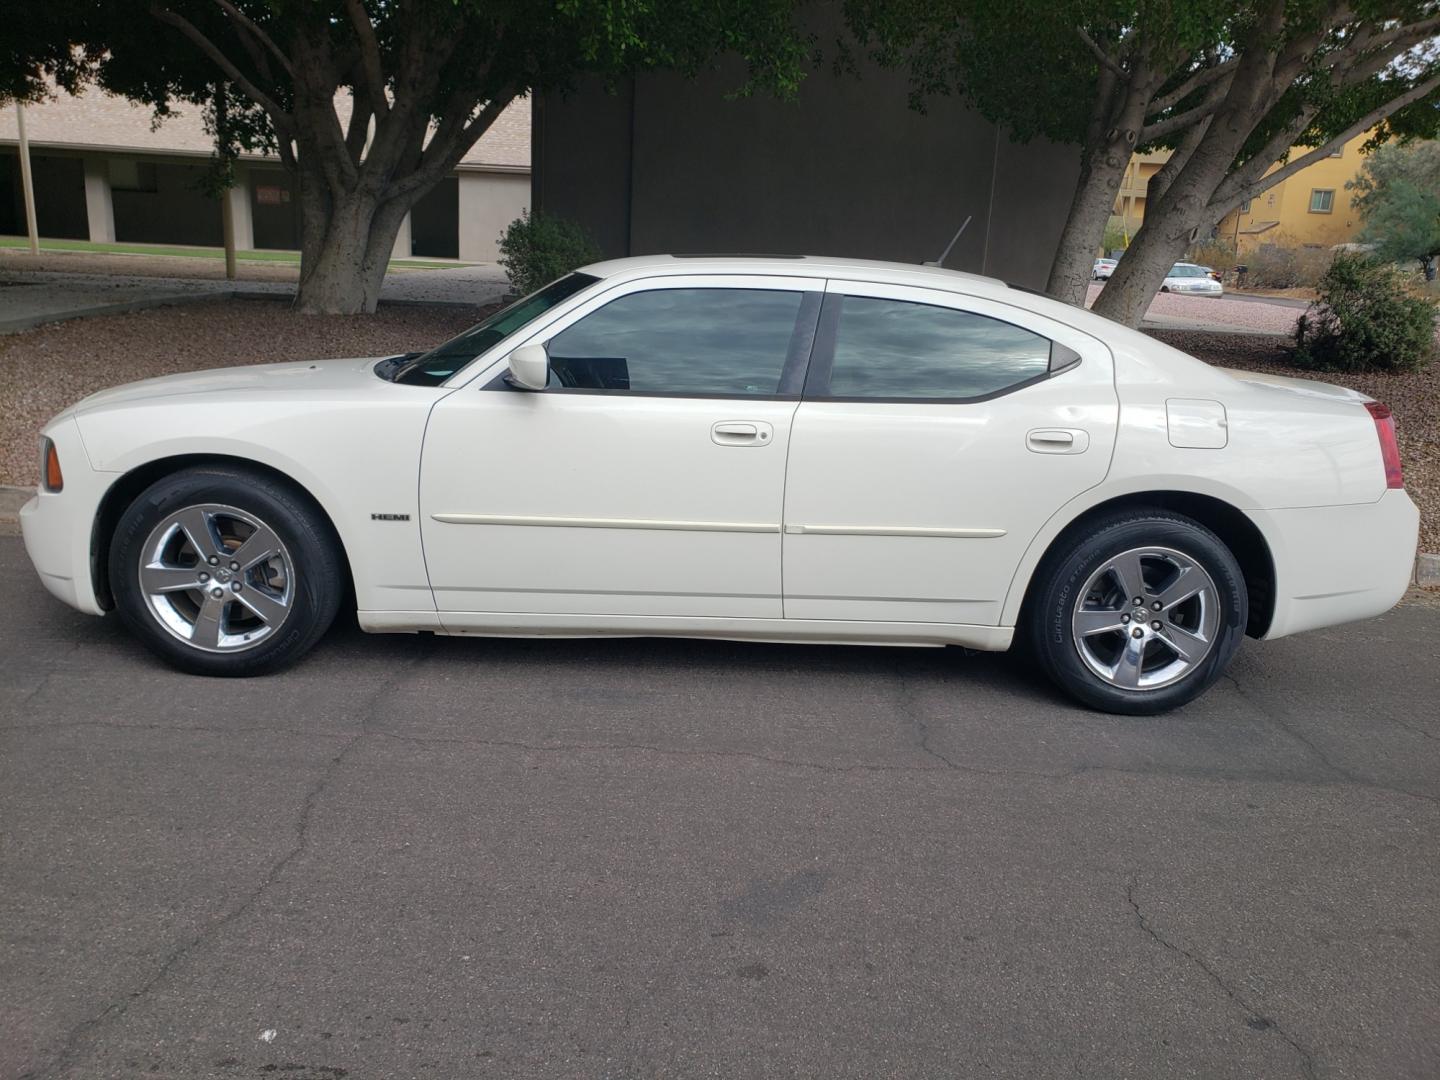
{"x":1336,"y":564}
{"x":57,"y":526}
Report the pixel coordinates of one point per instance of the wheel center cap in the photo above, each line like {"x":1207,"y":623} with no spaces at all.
{"x":222,"y":574}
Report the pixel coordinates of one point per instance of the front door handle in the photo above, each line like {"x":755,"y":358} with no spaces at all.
{"x":741,"y":433}
{"x":1057,"y":440}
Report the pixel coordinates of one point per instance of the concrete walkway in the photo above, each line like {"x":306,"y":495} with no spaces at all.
{"x":33,"y":297}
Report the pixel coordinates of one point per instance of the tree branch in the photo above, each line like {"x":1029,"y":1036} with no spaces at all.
{"x":369,"y":55}
{"x":1106,"y":60}
{"x":438,"y":159}
{"x":282,"y":120}
{"x":1228,"y":195}
{"x":259,"y":34}
{"x":1202,"y":78}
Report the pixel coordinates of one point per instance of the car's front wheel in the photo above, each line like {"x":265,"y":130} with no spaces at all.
{"x":225,"y":572}
{"x":1140,"y":613}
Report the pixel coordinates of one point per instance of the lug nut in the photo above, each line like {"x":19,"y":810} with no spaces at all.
{"x":1137,"y":632}
{"x":236,"y":566}
{"x":217,"y":592}
{"x":1139,"y":601}
{"x":235,"y":587}
{"x":1154,"y":626}
{"x":1156,"y":605}
{"x":213,"y":560}
{"x":1124,"y":618}
{"x":204,"y":576}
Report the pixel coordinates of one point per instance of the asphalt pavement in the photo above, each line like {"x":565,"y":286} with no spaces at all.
{"x":425,"y":857}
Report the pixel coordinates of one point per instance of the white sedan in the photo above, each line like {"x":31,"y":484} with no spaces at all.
{"x":764,"y":449}
{"x":1192,"y":280}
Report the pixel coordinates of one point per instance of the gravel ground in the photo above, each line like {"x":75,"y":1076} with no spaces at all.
{"x":1414,"y":399}
{"x":50,"y":367}
{"x":45,"y":369}
{"x":1241,"y":314}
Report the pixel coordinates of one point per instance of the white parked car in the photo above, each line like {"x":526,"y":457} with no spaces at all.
{"x":1103,"y":268}
{"x":766,"y":449}
{"x":1192,"y":279}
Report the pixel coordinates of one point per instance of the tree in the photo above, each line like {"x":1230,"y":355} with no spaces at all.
{"x":1228,"y":90}
{"x":1398,"y":195}
{"x":370,"y":103}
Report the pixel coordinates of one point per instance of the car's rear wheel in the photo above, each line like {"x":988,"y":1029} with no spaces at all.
{"x":225,"y":572}
{"x":1140,"y":613}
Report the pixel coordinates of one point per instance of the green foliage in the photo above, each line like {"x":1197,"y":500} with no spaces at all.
{"x":1398,"y":195}
{"x":535,"y":249}
{"x":1277,"y":266}
{"x":1365,"y":320}
{"x":1117,"y":236}
{"x":1216,"y":253}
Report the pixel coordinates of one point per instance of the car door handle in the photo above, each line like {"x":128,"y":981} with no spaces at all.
{"x":741,"y":433}
{"x":1057,"y":441}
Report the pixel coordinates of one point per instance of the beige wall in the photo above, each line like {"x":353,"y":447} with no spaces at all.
{"x":489,"y":201}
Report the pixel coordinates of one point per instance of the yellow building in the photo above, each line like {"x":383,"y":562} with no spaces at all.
{"x":1309,"y":209}
{"x":1130,"y":202}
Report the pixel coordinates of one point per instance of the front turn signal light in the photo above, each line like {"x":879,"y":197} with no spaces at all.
{"x":54,"y":479}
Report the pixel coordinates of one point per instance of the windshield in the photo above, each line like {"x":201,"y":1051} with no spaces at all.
{"x":1187,"y":271}
{"x":437,"y":365}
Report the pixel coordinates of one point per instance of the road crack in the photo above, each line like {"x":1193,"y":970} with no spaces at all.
{"x":1254,"y":1019}
{"x":75,"y":1040}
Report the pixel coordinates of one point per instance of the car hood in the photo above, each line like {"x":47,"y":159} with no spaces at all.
{"x":308,"y":375}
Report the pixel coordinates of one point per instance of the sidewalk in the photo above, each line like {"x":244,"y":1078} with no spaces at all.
{"x":32,"y":297}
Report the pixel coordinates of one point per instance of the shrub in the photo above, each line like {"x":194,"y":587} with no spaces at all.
{"x":1216,"y":254}
{"x":1276,"y":267}
{"x":1117,"y":236}
{"x":535,"y":249}
{"x":1365,"y":320}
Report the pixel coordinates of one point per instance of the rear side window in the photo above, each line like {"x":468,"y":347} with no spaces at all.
{"x":703,"y":342}
{"x":901,"y":350}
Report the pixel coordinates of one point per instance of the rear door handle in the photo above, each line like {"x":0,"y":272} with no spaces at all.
{"x":741,"y":433}
{"x":1057,"y":440}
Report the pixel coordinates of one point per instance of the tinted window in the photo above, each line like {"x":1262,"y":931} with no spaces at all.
{"x":898,"y":349}
{"x":680,"y":341}
{"x":434,"y":367}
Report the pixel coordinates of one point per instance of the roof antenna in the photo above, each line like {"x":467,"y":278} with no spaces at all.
{"x":946,"y":253}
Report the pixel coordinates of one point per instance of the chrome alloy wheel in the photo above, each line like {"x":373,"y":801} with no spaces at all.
{"x":1146,"y":618}
{"x":216,"y":577}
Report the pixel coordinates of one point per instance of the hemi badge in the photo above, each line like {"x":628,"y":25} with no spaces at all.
{"x":389,"y":517}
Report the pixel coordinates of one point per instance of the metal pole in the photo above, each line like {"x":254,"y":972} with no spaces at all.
{"x":27,"y":182}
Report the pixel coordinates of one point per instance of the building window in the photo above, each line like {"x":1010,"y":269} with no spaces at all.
{"x":1339,"y":151}
{"x":1245,"y":207}
{"x":1322,"y":200}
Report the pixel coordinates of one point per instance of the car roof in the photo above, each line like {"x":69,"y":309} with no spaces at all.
{"x":808,"y":265}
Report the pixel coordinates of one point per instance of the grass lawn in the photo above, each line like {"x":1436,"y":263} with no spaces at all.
{"x":184,"y":252}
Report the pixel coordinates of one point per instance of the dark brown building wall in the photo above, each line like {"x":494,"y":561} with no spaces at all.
{"x":848,"y":169}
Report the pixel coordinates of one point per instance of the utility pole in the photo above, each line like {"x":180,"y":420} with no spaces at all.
{"x":27,"y":182}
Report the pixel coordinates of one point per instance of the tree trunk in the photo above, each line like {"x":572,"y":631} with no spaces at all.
{"x":1090,"y":210}
{"x":347,"y":268}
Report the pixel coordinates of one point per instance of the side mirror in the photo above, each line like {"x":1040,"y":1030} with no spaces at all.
{"x":530,"y":367}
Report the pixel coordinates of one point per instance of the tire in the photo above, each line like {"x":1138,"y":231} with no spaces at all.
{"x":205,"y":612}
{"x":1096,"y":644}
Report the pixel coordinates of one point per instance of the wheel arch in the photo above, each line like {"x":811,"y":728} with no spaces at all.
{"x":130,"y":484}
{"x":1234,"y":527}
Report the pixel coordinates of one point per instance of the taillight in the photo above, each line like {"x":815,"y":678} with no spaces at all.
{"x":54,"y":479}
{"x":1389,"y":445}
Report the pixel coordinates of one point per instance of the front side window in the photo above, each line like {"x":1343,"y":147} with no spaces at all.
{"x":437,"y":365}
{"x":896,"y":349}
{"x":699,"y":342}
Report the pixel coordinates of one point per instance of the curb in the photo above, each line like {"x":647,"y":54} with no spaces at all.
{"x":29,"y":322}
{"x":1426,"y":575}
